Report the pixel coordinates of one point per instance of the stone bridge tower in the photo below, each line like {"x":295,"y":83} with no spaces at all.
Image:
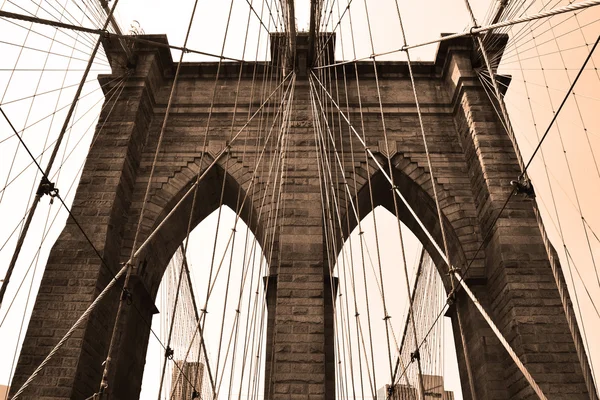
{"x":473,"y":161}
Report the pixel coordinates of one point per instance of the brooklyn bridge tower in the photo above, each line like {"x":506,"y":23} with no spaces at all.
{"x":303,"y":145}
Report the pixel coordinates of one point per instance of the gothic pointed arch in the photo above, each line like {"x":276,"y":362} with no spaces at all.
{"x":172,"y":211}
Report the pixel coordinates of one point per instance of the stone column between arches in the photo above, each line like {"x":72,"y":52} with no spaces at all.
{"x":299,"y":363}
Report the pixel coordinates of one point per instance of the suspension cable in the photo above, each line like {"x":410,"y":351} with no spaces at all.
{"x":49,"y":165}
{"x":108,"y":35}
{"x":475,"y":30}
{"x":139,"y":250}
{"x":442,"y":255}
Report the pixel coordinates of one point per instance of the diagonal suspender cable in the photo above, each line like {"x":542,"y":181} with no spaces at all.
{"x":330,"y":233}
{"x":507,"y":125}
{"x":104,"y":33}
{"x":330,"y":241}
{"x":364,"y":250}
{"x":276,"y":199}
{"x":243,"y":276}
{"x":363,"y":264}
{"x":200,"y":327}
{"x":37,"y":255}
{"x":278,"y":165}
{"x":500,"y":337}
{"x":200,"y":323}
{"x":234,"y":230}
{"x":360,"y":107}
{"x":183,"y":269}
{"x":326,"y":174}
{"x":475,"y":30}
{"x":116,"y":334}
{"x":346,"y":309}
{"x":49,"y":165}
{"x":356,"y":215}
{"x":252,"y":261}
{"x":556,"y":270}
{"x":436,"y":199}
{"x":443,"y":256}
{"x":412,"y":297}
{"x":580,"y":348}
{"x":395,"y":200}
{"x":329,"y":38}
{"x":123,"y":269}
{"x":196,"y":313}
{"x":383,"y":170}
{"x":560,"y":283}
{"x":251,"y":318}
{"x":254,"y":310}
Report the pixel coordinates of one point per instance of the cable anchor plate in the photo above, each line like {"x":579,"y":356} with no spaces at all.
{"x":524,"y":187}
{"x":415,"y":355}
{"x":169,"y":352}
{"x":47,"y":188}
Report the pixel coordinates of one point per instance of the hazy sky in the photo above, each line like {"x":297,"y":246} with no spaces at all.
{"x":578,"y":126}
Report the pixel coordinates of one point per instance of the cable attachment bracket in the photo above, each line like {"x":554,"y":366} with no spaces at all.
{"x":104,"y":382}
{"x":127,"y":296}
{"x":415,"y":355}
{"x":451,"y":299}
{"x":453,"y":270}
{"x":452,"y":273}
{"x":195,"y":395}
{"x":391,"y":391}
{"x":169,"y":352}
{"x":47,"y":187}
{"x":472,"y":28}
{"x":524,"y":187}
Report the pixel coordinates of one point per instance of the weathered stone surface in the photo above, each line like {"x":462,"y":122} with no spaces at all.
{"x":472,"y":159}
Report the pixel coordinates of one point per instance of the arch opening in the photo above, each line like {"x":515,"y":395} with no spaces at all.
{"x":222,"y":297}
{"x":176,"y":214}
{"x":233,"y":327}
{"x":362,"y":340}
{"x":420,"y":199}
